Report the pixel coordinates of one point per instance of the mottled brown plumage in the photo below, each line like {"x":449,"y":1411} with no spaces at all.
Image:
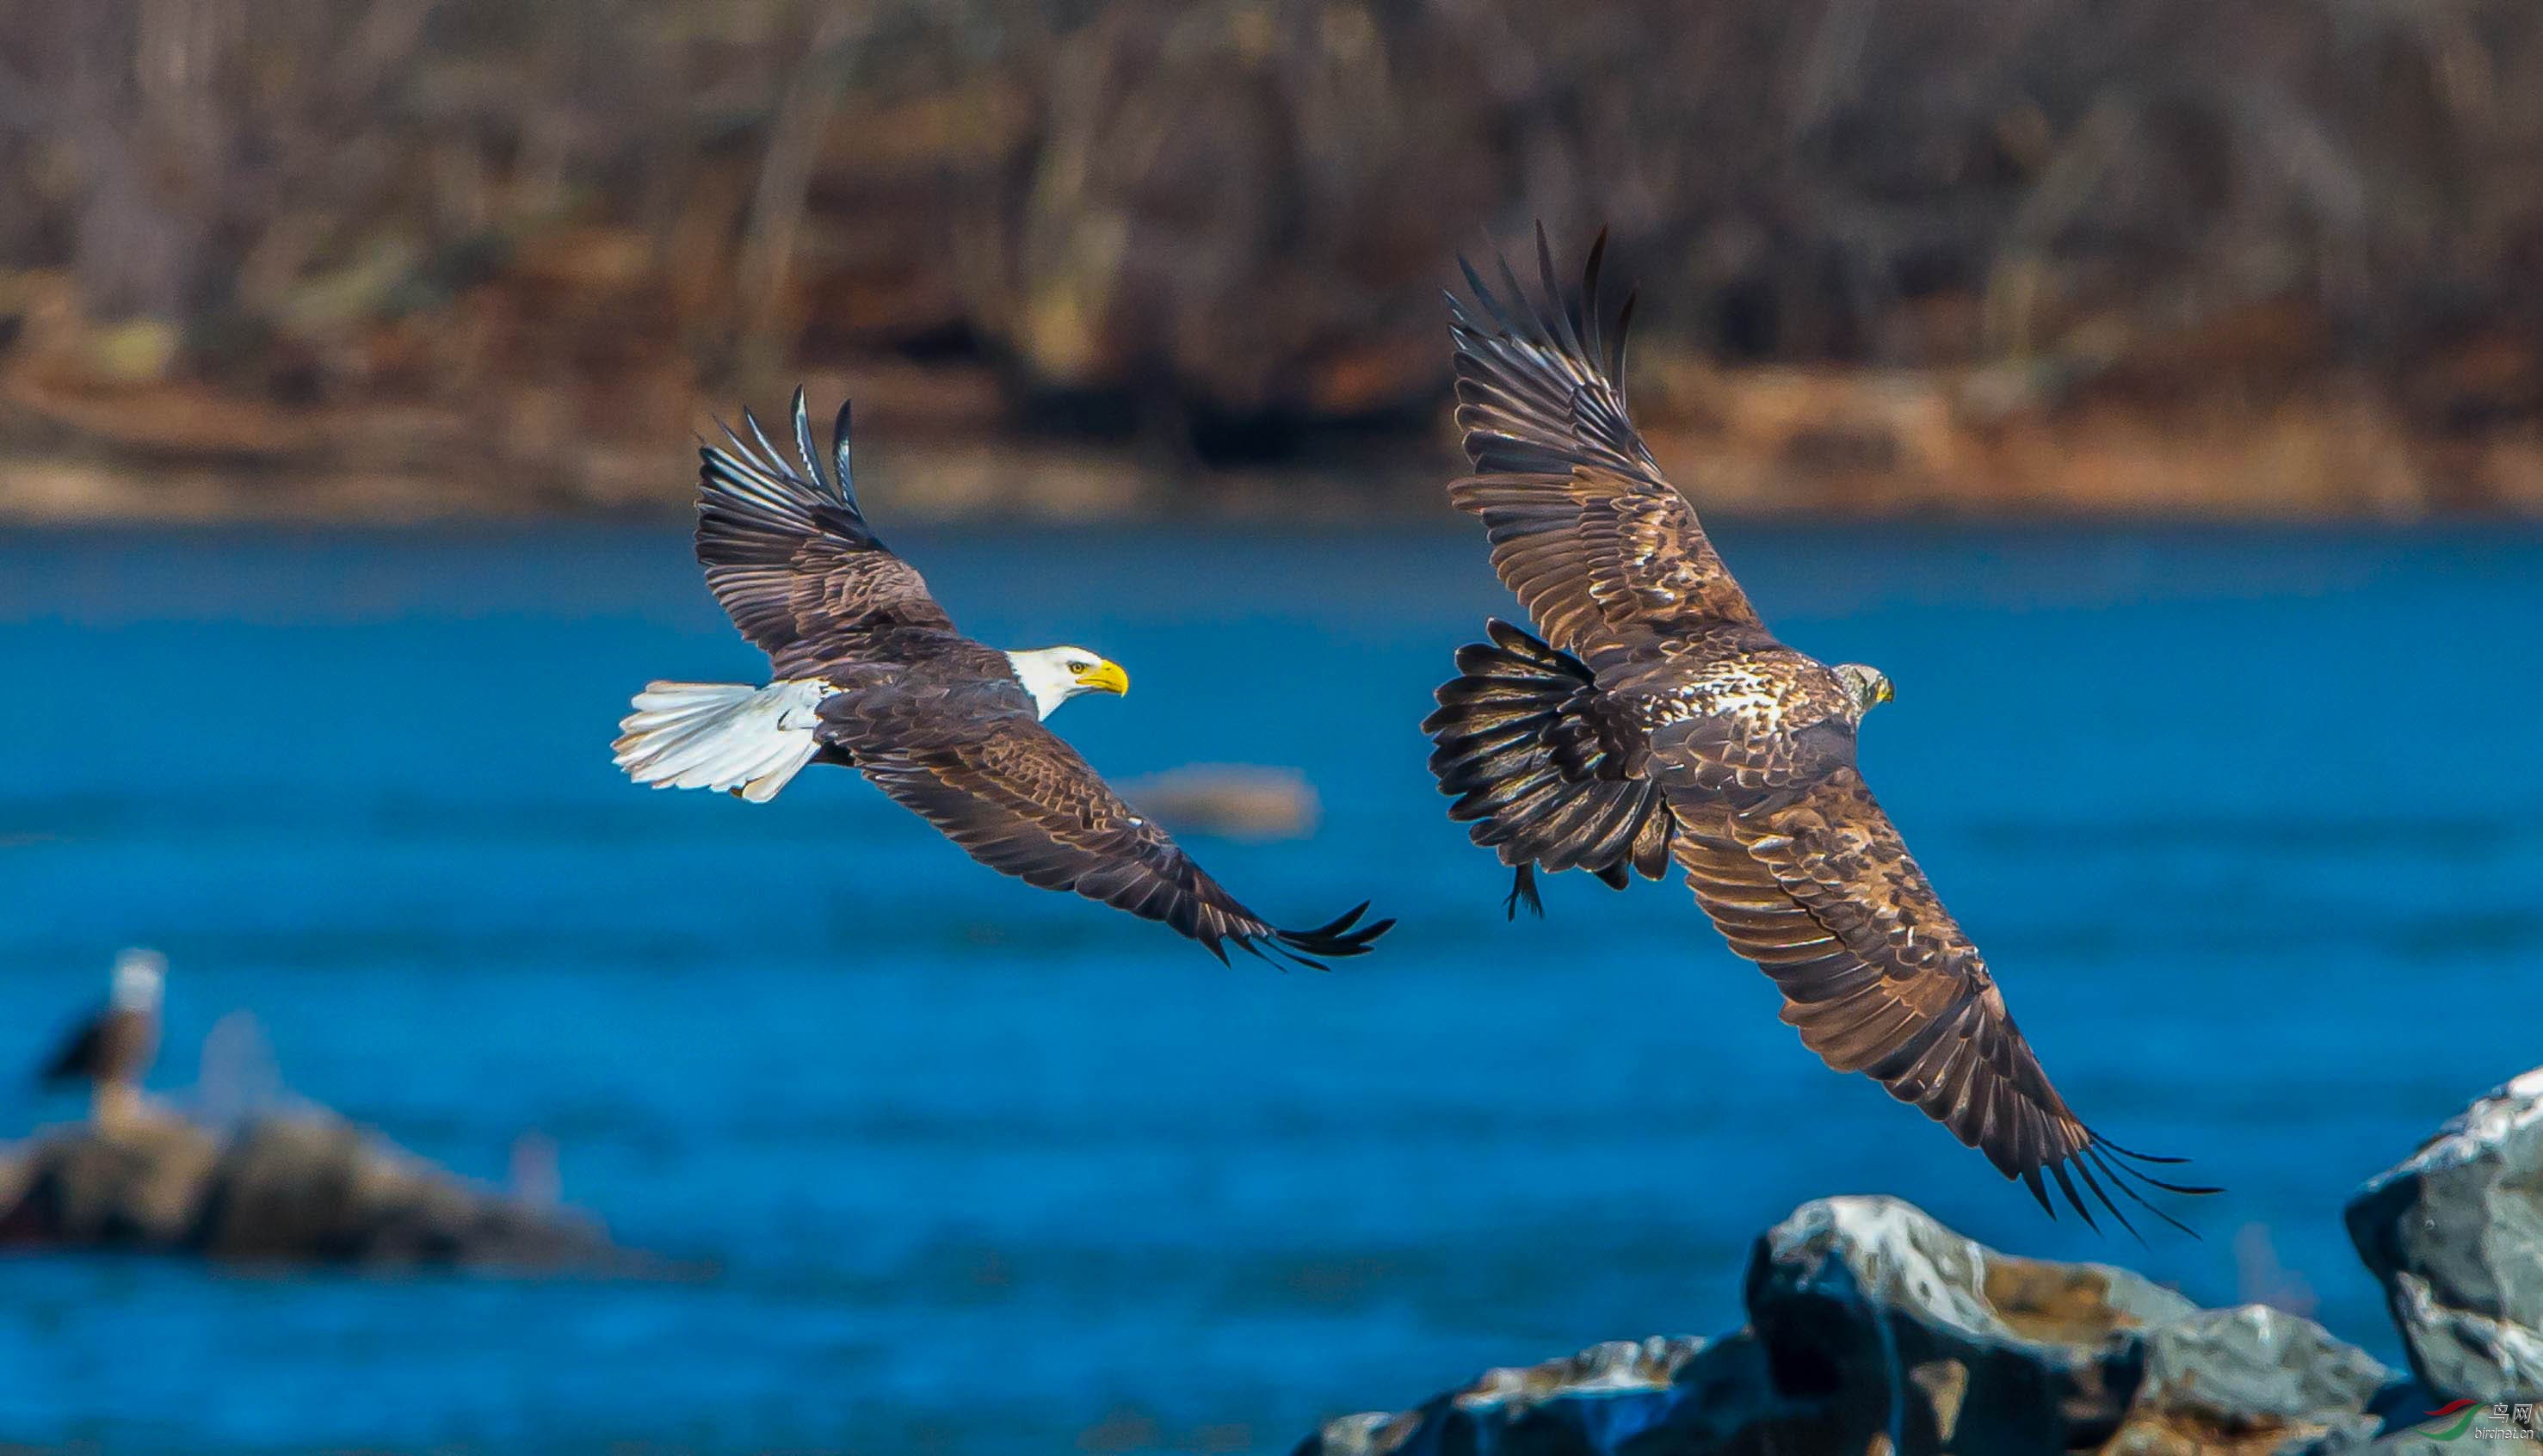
{"x":1659,"y":719}
{"x":873,"y":674}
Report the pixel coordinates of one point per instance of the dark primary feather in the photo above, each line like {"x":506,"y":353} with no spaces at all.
{"x":1595,"y":543}
{"x":78,"y":1056}
{"x":1542,"y":764}
{"x":788,"y":556}
{"x":1651,"y":687}
{"x":114,"y":1045}
{"x":1818,"y":888}
{"x":1019,"y":800}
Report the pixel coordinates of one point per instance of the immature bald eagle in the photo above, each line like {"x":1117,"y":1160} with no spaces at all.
{"x":114,"y":1048}
{"x":871,"y":673}
{"x":1659,"y":719}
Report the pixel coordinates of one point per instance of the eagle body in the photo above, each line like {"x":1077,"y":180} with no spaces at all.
{"x":1651,"y":719}
{"x":914,"y":681}
{"x":869,"y":672}
{"x":919,"y":659}
{"x":112,"y":1049}
{"x":115,"y":1047}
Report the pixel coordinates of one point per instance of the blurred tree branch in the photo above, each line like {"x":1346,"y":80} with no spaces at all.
{"x":555,"y":223}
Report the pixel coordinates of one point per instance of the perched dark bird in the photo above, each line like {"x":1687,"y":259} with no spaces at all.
{"x":1653,"y":718}
{"x":869,"y":672}
{"x":112,"y":1049}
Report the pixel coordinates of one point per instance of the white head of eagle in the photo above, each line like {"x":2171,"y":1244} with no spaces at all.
{"x":138,"y":976}
{"x":1054,"y":675}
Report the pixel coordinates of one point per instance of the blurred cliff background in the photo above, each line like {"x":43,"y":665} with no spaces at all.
{"x":387,"y":259}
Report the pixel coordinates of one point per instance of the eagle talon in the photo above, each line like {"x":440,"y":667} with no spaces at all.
{"x":1523,"y":892}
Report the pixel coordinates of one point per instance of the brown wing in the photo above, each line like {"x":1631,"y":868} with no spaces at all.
{"x":1818,"y":888}
{"x":81,"y":1055}
{"x":1599,"y":548}
{"x":788,"y":554}
{"x":114,"y":1045}
{"x":1023,"y":802}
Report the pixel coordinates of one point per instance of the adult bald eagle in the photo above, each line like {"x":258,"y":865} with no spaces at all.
{"x":112,"y":1049}
{"x":1657,"y":718}
{"x":869,"y":672}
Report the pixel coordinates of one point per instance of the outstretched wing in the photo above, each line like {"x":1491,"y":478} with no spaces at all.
{"x":1022,"y":801}
{"x":81,"y":1054}
{"x":1599,"y":548}
{"x":788,"y":554}
{"x":1816,"y":888}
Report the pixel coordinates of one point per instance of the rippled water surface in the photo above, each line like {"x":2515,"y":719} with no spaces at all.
{"x":2251,"y":827}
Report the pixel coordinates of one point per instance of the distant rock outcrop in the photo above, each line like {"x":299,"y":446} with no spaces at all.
{"x":2455,"y":1235}
{"x":1235,"y":800}
{"x":298,"y":1187}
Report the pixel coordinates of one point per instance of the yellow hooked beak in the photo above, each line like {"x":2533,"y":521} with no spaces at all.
{"x":1885,"y":693}
{"x":1105,"y":676}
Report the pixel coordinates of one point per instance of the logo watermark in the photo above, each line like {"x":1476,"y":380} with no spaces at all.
{"x":2498,"y":1420}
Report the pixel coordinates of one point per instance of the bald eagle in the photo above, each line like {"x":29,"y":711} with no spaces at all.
{"x":871,"y":673}
{"x":1651,"y":719}
{"x":112,"y":1049}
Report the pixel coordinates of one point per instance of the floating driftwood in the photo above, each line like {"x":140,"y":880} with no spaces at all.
{"x":1236,"y":800}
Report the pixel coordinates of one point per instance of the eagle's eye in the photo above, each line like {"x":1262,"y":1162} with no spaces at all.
{"x":1079,"y":664}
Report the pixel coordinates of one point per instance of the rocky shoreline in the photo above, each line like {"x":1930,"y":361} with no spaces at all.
{"x":1819,"y":443}
{"x":1874,"y":1329}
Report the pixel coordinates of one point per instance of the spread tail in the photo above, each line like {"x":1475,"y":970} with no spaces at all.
{"x":1538,"y":759}
{"x":746,"y":740}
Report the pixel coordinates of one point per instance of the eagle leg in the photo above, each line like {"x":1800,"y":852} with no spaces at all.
{"x":1523,"y":892}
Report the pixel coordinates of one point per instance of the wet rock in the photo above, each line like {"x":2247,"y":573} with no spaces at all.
{"x":2455,"y":1235}
{"x":1679,"y":1395}
{"x":2003,"y":1353}
{"x":2253,"y":1378}
{"x":298,"y":1187}
{"x":1873,"y":1328}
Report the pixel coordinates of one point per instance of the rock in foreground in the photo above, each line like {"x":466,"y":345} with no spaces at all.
{"x":2455,"y":1235}
{"x":1873,"y":1328}
{"x":304,"y":1186}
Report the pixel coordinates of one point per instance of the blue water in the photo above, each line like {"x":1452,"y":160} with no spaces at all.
{"x":2250,"y":824}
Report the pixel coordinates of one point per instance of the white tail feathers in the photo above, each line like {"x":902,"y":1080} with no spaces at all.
{"x":720,"y":736}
